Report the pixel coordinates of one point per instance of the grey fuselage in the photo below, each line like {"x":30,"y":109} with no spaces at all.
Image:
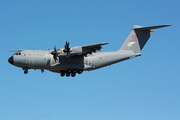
{"x":42,"y":59}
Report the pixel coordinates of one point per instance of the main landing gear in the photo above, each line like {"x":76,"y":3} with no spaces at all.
{"x":70,"y":72}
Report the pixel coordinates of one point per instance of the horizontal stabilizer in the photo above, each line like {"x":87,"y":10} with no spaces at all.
{"x":151,"y":27}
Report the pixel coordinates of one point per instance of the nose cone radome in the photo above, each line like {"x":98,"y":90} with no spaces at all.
{"x":11,"y":60}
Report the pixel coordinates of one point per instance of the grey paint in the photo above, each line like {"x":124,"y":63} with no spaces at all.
{"x":80,"y":59}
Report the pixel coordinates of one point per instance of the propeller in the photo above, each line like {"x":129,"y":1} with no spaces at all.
{"x":66,"y":48}
{"x":54,"y":53}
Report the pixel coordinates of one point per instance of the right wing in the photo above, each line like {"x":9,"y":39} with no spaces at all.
{"x":92,"y":48}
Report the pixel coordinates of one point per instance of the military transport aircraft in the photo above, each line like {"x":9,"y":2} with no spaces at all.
{"x":69,"y":61}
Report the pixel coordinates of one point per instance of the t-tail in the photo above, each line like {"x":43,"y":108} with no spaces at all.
{"x":138,"y":37}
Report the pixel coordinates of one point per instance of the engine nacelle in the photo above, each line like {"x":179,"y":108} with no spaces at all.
{"x":76,"y":50}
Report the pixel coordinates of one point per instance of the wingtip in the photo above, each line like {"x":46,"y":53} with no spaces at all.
{"x":106,"y":43}
{"x":166,"y":25}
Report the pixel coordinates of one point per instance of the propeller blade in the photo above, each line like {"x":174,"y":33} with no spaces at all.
{"x":66,"y":48}
{"x":54,"y":53}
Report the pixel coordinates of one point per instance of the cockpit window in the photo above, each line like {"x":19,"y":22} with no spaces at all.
{"x":17,"y":53}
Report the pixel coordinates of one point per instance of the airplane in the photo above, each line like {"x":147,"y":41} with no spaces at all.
{"x":70,"y":61}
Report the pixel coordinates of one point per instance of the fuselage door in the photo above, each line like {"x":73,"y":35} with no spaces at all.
{"x":90,"y":62}
{"x":31,"y":62}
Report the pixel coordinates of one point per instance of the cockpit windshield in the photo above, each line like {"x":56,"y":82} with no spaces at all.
{"x":18,"y":53}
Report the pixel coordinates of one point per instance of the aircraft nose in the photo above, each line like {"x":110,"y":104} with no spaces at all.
{"x":11,"y":60}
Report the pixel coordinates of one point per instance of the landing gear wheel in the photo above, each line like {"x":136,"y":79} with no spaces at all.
{"x":62,"y":74}
{"x":75,"y":71}
{"x":67,"y":74}
{"x":73,"y":74}
{"x":26,"y":71}
{"x":80,"y":71}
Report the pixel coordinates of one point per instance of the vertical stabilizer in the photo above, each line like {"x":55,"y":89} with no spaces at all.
{"x":138,"y":37}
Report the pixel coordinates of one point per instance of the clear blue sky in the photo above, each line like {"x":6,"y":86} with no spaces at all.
{"x":143,"y":88}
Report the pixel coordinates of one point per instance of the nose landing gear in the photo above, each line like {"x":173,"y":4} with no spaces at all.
{"x":25,"y":71}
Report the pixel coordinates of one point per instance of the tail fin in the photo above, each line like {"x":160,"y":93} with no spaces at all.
{"x":138,"y":38}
